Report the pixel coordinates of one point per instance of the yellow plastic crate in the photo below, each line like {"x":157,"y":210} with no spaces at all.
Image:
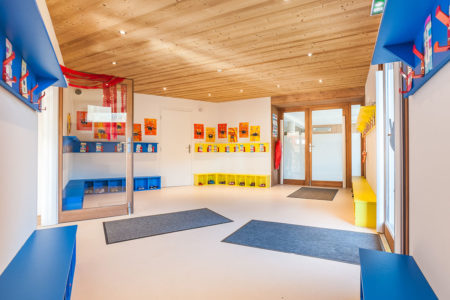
{"x":365,"y":202}
{"x":200,"y":179}
{"x":221,"y":179}
{"x":250,"y":180}
{"x":231,"y":179}
{"x":263,"y":181}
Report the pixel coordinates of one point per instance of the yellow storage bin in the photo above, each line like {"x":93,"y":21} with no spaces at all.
{"x":365,"y":202}
{"x":231,"y":179}
{"x":250,"y":180}
{"x":200,"y":179}
{"x":263,"y":181}
{"x":240,"y":180}
{"x":212,"y":179}
{"x":221,"y":179}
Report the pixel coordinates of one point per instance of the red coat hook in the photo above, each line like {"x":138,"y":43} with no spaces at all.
{"x":441,"y":16}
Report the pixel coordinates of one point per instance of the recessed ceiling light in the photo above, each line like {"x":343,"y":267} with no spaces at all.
{"x":241,"y":91}
{"x":320,"y":80}
{"x":164,"y":88}
{"x":278,"y":86}
{"x":114,"y":63}
{"x":209,"y":94}
{"x":122,"y":32}
{"x":219,"y":70}
{"x":309,"y":54}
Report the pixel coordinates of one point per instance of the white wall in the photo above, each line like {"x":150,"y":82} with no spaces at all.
{"x":429,"y":179}
{"x":371,"y":138}
{"x":99,"y":165}
{"x":18,"y":181}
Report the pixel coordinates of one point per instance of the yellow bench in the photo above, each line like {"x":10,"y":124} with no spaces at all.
{"x":365,"y":202}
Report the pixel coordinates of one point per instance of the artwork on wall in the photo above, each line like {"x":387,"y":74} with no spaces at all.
{"x":275,"y":125}
{"x":7,"y":73}
{"x":150,"y":126}
{"x":210,"y":134}
{"x":82,"y":123}
{"x":23,"y":80}
{"x":232,"y":135}
{"x":428,"y":46}
{"x":137,"y":133}
{"x":69,"y":124}
{"x":222,"y":131}
{"x":254,"y":133}
{"x":199,"y":131}
{"x":120,"y":128}
{"x":243,"y":130}
{"x":102,"y":130}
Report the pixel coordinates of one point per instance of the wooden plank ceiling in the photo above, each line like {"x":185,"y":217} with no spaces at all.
{"x":221,"y":50}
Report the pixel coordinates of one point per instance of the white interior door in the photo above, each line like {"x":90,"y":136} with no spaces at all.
{"x":176,"y":166}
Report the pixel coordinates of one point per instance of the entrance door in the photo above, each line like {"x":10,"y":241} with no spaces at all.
{"x":294,"y":148}
{"x":327,"y":147}
{"x":176,"y":167}
{"x":314,"y":147}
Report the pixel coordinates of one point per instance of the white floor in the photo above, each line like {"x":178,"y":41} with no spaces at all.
{"x":195,"y":264}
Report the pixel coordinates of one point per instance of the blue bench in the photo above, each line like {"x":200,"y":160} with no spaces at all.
{"x":392,"y":276}
{"x":44,"y":267}
{"x":73,"y":193}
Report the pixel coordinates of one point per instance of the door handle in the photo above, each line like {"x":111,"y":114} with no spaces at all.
{"x":189,"y":148}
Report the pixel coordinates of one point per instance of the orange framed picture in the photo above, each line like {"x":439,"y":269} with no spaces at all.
{"x":137,"y":133}
{"x":232,"y":135}
{"x":199,"y":131}
{"x":222,"y":131}
{"x":120,"y":127}
{"x":210,"y":134}
{"x":150,"y":126}
{"x":82,"y":123}
{"x":102,"y":130}
{"x":243,"y":130}
{"x":255,"y":133}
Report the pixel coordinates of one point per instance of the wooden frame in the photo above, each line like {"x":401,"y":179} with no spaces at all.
{"x":405,"y":173}
{"x":346,"y":110}
{"x":107,"y":211}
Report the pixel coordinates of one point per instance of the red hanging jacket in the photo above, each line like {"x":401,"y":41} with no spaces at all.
{"x":277,"y":154}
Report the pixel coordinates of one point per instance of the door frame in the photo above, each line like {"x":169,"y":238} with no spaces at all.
{"x":346,"y":111}
{"x":107,"y":211}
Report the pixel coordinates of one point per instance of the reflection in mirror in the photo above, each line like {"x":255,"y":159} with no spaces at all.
{"x":94,"y":160}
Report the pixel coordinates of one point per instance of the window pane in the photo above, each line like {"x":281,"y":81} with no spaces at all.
{"x":356,"y":143}
{"x":294,"y":146}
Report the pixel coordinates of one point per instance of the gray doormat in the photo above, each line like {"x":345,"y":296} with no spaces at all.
{"x":314,"y":193}
{"x":140,"y":227}
{"x":332,"y":244}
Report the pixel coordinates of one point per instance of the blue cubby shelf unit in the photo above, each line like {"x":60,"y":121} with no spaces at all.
{"x":73,"y":144}
{"x":402,"y":27}
{"x":22,"y":25}
{"x":73,"y":193}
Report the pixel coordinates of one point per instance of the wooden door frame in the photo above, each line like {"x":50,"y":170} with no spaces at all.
{"x":98,"y":212}
{"x":346,"y":110}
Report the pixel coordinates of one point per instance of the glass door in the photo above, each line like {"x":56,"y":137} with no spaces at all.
{"x":327,"y":147}
{"x":96,"y":152}
{"x":294,"y":145}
